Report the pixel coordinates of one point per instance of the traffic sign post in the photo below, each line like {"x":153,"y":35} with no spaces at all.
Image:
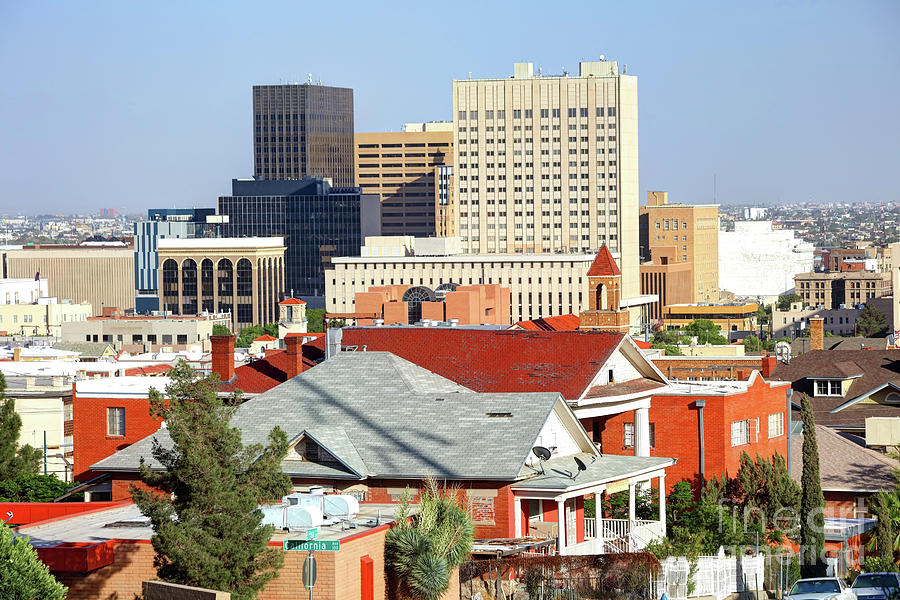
{"x":309,"y":573}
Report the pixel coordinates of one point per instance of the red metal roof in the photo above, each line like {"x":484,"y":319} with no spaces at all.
{"x":560,"y":323}
{"x":292,"y":301}
{"x":604,"y":265}
{"x":262,"y":375}
{"x":497,"y":361}
{"x":265,"y":338}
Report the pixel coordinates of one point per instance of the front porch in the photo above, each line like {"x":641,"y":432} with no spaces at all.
{"x":551,"y":504}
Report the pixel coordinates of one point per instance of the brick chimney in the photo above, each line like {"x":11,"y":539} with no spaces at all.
{"x":17,"y":354}
{"x":223,"y":356}
{"x":816,"y":333}
{"x":768,"y":365}
{"x":294,"y":351}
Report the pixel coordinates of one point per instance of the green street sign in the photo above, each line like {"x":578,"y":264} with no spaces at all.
{"x":312,"y":533}
{"x":317,"y":545}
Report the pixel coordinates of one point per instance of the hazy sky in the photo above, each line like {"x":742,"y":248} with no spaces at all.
{"x":112,"y":104}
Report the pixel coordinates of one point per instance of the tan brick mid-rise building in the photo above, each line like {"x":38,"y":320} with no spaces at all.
{"x":549,"y":164}
{"x":683,"y":234}
{"x":403,"y":167}
{"x":76,"y":272}
{"x":241,"y":276}
{"x":834,"y":290}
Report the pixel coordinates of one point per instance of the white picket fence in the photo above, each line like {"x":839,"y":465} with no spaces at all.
{"x":718,"y":576}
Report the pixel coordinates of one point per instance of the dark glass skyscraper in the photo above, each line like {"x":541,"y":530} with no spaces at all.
{"x":303,"y":131}
{"x":317,"y":221}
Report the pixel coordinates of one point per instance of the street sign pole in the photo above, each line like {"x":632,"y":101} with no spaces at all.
{"x":309,"y":573}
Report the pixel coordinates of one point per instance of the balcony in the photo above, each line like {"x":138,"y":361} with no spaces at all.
{"x":617,"y":535}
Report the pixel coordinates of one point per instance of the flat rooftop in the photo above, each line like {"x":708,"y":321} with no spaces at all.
{"x":710,"y":388}
{"x":232,"y":242}
{"x":127,"y":523}
{"x":468,"y":258}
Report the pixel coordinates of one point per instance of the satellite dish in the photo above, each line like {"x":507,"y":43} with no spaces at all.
{"x":580,"y":464}
{"x":783,"y":352}
{"x":542,"y":454}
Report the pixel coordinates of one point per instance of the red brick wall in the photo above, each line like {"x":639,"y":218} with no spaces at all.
{"x":89,"y":428}
{"x":738,"y":368}
{"x":844,"y":504}
{"x":676,"y":425}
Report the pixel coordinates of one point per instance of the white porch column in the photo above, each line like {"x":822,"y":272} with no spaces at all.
{"x":598,"y":516}
{"x":642,"y":432}
{"x":561,"y":523}
{"x":517,"y":506}
{"x":662,"y":502}
{"x":631,"y":516}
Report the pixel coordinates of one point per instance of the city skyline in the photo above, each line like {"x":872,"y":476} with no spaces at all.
{"x":751,"y":98}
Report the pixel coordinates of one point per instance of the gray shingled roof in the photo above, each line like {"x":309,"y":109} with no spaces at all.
{"x":558,"y":472}
{"x":383,"y":416}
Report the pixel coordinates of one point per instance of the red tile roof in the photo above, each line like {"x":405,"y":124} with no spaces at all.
{"x":262,"y":375}
{"x":150,"y":370}
{"x":560,"y":323}
{"x":292,"y":301}
{"x":642,"y":344}
{"x":604,"y":265}
{"x":265,"y":338}
{"x":486,"y":360}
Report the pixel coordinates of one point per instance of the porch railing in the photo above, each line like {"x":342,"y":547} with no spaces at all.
{"x":622,"y":535}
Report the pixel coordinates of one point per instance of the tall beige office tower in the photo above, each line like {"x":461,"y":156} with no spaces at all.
{"x":549,"y":163}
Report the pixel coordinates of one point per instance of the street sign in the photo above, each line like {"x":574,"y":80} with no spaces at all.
{"x":309,"y":572}
{"x":312,"y":533}
{"x":317,"y":545}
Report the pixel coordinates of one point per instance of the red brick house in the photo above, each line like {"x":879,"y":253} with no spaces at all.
{"x":738,"y":416}
{"x":370,"y":424}
{"x":112,"y":413}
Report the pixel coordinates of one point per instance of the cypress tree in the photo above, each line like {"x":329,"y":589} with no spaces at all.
{"x":812,"y":501}
{"x":14,"y":461}
{"x":210,"y":533}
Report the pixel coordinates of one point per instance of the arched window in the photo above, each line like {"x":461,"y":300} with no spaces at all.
{"x":189,"y":287}
{"x":414,"y":297}
{"x":206,"y":285}
{"x":170,"y":286}
{"x":225,"y":284}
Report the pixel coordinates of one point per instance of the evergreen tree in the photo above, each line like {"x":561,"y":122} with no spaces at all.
{"x":812,"y":501}
{"x":22,"y":575}
{"x":871,"y":322}
{"x":210,"y":534}
{"x":14,"y":461}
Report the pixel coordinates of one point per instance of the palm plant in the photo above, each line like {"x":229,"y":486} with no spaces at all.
{"x":423,"y":552}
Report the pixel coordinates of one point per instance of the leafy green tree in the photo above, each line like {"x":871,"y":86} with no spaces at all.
{"x":14,"y":460}
{"x":754,"y":344}
{"x":669,"y":348}
{"x":885,"y":505}
{"x":765,"y":491}
{"x":871,"y":322}
{"x":248,"y":334}
{"x":31,"y":487}
{"x":812,"y":501}
{"x":706,"y":332}
{"x":666,"y":337}
{"x":207,"y":527}
{"x":314,"y":319}
{"x":764,"y":314}
{"x":23,"y":576}
{"x":785,"y":301}
{"x":421,"y":555}
{"x":220,"y":330}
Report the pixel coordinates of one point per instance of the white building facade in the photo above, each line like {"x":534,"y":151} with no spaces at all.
{"x":757,"y":260}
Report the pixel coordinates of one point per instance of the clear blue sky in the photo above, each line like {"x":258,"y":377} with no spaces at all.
{"x":135,"y":105}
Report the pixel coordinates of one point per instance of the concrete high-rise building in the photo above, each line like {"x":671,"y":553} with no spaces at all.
{"x":683,"y":234}
{"x":549,"y":163}
{"x":404,"y":168}
{"x":303,"y":131}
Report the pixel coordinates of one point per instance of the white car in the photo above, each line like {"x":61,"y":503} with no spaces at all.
{"x":821,"y":588}
{"x":877,"y":586}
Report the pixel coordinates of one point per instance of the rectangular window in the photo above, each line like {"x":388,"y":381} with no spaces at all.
{"x":744,"y":432}
{"x":115,"y":421}
{"x":776,"y":425}
{"x":628,"y":441}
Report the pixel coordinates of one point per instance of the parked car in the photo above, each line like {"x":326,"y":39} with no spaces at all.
{"x":821,"y":588}
{"x":877,"y":586}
